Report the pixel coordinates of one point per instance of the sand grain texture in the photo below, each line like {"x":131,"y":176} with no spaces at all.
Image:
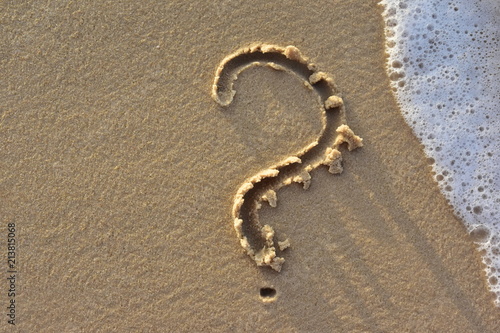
{"x":119,"y":170}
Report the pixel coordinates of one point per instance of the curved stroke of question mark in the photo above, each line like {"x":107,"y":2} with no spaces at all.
{"x":294,"y":169}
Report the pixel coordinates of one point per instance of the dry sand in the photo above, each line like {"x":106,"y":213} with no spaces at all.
{"x":119,"y":171}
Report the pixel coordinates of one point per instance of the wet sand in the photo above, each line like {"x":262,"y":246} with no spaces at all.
{"x":119,"y":171}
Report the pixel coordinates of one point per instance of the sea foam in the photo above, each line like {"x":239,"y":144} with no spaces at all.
{"x":444,"y":66}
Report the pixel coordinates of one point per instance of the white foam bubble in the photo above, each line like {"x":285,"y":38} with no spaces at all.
{"x":444,"y":66}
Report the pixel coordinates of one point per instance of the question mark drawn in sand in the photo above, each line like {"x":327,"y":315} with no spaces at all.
{"x":258,"y":240}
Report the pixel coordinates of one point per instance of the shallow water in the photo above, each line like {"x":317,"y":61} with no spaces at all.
{"x":444,"y":67}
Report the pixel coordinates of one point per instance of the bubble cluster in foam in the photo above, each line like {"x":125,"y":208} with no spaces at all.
{"x":444,"y":66}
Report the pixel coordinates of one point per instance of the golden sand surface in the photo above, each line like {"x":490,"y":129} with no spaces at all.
{"x":119,"y":171}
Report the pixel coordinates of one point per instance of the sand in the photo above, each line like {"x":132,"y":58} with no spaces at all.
{"x":119,"y":172}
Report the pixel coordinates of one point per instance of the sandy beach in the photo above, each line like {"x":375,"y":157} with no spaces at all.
{"x":119,"y":172}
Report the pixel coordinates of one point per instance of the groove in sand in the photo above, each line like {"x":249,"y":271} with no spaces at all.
{"x":257,"y":240}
